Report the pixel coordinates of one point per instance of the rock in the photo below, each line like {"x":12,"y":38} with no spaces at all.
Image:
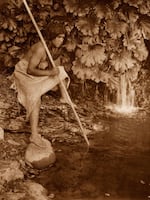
{"x":27,"y":190}
{"x":9,"y":171}
{"x":40,"y":157}
{"x":35,"y":191}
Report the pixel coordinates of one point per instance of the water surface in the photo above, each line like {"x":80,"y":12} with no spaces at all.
{"x":117,"y":165}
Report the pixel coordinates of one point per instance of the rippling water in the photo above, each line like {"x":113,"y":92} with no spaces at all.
{"x":117,"y":165}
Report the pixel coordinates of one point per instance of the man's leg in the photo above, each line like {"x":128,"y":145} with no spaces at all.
{"x":34,"y":120}
{"x":64,"y":98}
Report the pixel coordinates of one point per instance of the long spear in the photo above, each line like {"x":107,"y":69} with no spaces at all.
{"x":53,"y":64}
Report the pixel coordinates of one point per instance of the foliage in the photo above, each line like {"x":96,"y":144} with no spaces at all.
{"x":123,"y":61}
{"x":102,"y":36}
{"x":87,"y":25}
{"x":116,"y":28}
{"x":145,"y":27}
{"x":91,"y":55}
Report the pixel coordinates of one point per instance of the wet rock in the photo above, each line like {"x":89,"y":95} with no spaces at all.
{"x":9,"y":171}
{"x":40,"y":157}
{"x":35,"y":191}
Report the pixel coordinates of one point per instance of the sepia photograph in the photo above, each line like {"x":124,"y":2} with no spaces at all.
{"x":74,"y":99}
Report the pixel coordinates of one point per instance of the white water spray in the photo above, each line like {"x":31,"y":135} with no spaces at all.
{"x":125,"y":96}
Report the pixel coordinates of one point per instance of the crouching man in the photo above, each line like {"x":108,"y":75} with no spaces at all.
{"x":34,"y":76}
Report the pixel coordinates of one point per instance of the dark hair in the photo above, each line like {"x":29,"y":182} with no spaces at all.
{"x":52,"y":30}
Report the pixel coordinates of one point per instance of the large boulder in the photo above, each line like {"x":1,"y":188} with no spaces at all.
{"x":40,"y":157}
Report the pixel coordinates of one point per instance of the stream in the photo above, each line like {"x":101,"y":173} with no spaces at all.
{"x":115,"y":167}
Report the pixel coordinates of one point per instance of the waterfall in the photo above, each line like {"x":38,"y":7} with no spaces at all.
{"x":122,"y":100}
{"x":125,"y":101}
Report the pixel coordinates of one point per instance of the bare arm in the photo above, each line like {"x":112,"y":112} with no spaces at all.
{"x":38,"y":53}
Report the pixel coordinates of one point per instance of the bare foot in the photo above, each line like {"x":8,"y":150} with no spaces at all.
{"x":37,"y":140}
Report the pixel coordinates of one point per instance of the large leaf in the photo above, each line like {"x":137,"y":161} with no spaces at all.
{"x":91,"y":56}
{"x":88,"y":25}
{"x":83,"y":73}
{"x":123,"y":61}
{"x":116,"y":28}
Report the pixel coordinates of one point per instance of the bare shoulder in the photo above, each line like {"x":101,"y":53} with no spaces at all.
{"x":38,"y":48}
{"x":36,"y":51}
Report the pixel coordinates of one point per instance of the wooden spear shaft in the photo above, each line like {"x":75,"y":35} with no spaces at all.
{"x":53,"y":64}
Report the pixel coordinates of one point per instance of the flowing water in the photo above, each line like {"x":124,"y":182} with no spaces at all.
{"x":117,"y":165}
{"x":125,"y":95}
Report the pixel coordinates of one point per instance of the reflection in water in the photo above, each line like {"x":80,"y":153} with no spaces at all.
{"x":116,"y":166}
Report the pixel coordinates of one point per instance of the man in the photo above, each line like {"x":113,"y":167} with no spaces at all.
{"x":34,"y":76}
